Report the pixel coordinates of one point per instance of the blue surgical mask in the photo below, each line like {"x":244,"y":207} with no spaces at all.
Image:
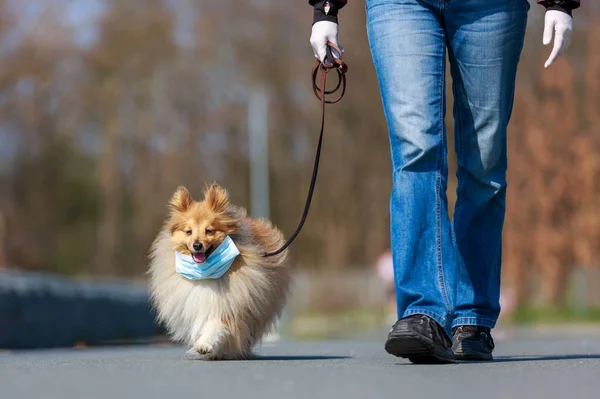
{"x":213,"y":267}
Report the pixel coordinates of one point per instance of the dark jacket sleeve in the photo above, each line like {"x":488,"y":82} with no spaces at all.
{"x":322,"y":14}
{"x":326,"y":10}
{"x":561,"y":5}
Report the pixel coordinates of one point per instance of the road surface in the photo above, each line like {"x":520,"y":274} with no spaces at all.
{"x":526,"y":366}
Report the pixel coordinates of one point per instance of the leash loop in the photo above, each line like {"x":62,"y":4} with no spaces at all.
{"x":330,"y":62}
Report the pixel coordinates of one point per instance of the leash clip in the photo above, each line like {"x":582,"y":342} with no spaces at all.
{"x":331,"y":61}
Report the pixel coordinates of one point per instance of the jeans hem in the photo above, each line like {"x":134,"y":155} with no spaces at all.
{"x":441,"y":320}
{"x":473,"y":321}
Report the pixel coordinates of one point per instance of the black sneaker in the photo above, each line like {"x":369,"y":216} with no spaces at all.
{"x":472,"y":343}
{"x":420,"y":339}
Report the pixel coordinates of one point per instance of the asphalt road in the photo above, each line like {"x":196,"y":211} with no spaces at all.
{"x":526,"y":366}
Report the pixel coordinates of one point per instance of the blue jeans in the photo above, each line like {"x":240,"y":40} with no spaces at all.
{"x":447,"y":269}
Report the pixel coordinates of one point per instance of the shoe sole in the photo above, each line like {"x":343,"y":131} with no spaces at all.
{"x":418,"y":349}
{"x":463,"y":351}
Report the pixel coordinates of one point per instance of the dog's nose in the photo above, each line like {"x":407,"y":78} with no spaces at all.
{"x":197,"y":246}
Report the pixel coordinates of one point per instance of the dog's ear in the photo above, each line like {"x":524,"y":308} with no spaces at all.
{"x":181,"y":200}
{"x":217,"y":198}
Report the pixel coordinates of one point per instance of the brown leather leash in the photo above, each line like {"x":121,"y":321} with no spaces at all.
{"x":341,"y":68}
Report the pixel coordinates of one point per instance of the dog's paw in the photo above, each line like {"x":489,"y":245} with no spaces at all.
{"x":203,"y":348}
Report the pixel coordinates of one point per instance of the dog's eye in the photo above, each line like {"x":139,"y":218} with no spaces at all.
{"x":209,"y":231}
{"x":188,"y":232}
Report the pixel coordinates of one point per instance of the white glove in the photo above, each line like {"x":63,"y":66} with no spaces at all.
{"x":322,"y":32}
{"x":561,"y":24}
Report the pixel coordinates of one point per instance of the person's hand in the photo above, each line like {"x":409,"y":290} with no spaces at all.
{"x":561,"y":25}
{"x":322,"y":32}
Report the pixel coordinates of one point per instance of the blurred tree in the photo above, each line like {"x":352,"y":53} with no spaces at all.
{"x":553,"y":225}
{"x":134,"y":45}
{"x":46,"y":183}
{"x":95,"y":137}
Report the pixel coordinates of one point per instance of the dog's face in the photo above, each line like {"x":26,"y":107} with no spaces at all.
{"x":198,"y":227}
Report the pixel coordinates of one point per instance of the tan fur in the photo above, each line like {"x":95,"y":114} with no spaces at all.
{"x":223,"y":318}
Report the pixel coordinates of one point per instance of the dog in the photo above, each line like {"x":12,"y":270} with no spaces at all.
{"x":225,"y":317}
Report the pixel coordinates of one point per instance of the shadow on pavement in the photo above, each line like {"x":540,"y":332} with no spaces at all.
{"x":300,"y":358}
{"x":507,"y":359}
{"x":502,"y":359}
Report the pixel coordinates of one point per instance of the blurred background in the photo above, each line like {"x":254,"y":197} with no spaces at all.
{"x":107,"y":106}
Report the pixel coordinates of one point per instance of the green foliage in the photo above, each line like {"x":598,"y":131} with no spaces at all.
{"x":529,"y":314}
{"x":56,"y":208}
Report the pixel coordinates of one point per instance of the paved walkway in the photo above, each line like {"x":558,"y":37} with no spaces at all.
{"x":527,"y":365}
